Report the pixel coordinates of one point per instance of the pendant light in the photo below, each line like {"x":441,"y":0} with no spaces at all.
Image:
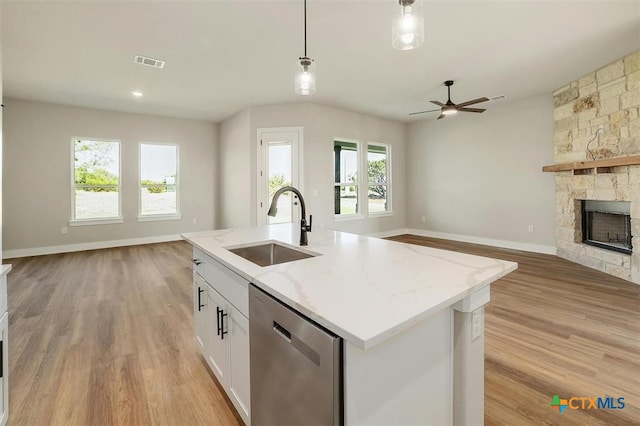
{"x":306,"y":74}
{"x":408,"y":25}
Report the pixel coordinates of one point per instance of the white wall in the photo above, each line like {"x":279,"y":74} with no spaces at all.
{"x":235,"y":178}
{"x":321,"y":125}
{"x":479,"y":175}
{"x":37,"y":172}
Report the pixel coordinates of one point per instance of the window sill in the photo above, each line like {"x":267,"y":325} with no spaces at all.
{"x":153,"y":218}
{"x":346,"y":218}
{"x":381,"y":214}
{"x":88,"y":222}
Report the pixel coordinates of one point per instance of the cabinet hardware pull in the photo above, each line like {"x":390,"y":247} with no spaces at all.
{"x":1,"y":359}
{"x":218,"y":312}
{"x":222,"y":331}
{"x":197,"y":261}
{"x":200,"y":305}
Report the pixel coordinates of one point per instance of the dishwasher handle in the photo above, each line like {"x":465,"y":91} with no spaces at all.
{"x":282,"y":332}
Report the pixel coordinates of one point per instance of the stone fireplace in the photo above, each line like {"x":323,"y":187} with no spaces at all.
{"x":597,"y":117}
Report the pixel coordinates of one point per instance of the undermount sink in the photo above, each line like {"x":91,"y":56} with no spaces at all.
{"x":268,"y":253}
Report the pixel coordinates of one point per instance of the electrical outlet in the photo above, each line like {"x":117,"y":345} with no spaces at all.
{"x":195,"y":220}
{"x":424,"y":219}
{"x":530,"y":228}
{"x":63,"y":230}
{"x":601,"y":128}
{"x":476,"y":324}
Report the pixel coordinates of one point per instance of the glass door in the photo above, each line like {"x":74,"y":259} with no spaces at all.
{"x":278,"y":157}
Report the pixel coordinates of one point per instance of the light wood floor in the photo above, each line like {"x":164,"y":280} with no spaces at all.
{"x":106,"y":337}
{"x":555,"y":327}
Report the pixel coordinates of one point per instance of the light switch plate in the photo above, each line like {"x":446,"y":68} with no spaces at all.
{"x":476,"y":324}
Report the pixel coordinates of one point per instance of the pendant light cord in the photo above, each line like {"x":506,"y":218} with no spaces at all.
{"x":305,"y":28}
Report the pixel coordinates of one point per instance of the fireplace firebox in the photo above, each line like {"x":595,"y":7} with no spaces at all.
{"x":607,"y":224}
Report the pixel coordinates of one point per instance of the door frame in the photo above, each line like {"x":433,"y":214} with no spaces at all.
{"x":261,"y":188}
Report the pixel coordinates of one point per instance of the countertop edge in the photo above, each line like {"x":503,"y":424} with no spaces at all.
{"x":5,"y":269}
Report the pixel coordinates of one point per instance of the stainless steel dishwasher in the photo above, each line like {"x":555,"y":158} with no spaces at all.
{"x":296,"y":368}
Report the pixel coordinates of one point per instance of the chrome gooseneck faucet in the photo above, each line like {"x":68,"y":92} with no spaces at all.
{"x":304,"y":228}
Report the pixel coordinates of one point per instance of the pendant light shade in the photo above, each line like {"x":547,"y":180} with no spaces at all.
{"x":306,"y":73}
{"x":408,"y":25}
{"x":306,"y":76}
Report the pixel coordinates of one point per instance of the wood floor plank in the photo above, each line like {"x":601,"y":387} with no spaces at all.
{"x":106,"y":337}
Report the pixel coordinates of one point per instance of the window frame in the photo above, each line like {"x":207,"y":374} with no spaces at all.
{"x":389,"y":210}
{"x":359,"y":214}
{"x":165,"y":216}
{"x":94,"y":221}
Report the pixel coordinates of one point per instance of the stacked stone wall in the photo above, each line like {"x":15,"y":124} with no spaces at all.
{"x":598,"y":117}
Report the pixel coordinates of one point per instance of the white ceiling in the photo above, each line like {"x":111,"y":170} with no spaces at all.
{"x":225,"y":55}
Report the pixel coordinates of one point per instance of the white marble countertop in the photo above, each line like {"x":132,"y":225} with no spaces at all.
{"x":363,"y":289}
{"x":4,"y":270}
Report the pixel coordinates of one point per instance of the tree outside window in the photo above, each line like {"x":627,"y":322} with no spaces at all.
{"x":96,"y":181}
{"x":377,"y":178}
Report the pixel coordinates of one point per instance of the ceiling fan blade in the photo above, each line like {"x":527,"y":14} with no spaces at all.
{"x":471,"y":109}
{"x":475,"y":101}
{"x":437,"y":103}
{"x":441,"y":116}
{"x":422,"y":112}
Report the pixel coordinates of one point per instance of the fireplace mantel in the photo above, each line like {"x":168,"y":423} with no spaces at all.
{"x":600,"y":165}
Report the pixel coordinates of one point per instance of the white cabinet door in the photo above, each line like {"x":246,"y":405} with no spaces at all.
{"x":4,"y":380}
{"x":199,"y":310}
{"x":239,"y":391}
{"x":216,"y":342}
{"x":220,"y":302}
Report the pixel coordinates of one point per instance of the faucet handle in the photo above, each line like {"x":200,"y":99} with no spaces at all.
{"x":310,"y":223}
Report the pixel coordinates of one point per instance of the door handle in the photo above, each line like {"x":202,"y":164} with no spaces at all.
{"x":200,"y":305}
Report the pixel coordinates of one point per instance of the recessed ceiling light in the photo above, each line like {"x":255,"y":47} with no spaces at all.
{"x":137,"y":94}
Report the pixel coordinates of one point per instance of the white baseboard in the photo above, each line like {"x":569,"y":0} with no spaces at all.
{"x":535,"y":248}
{"x":385,"y":234}
{"x":68,"y":248}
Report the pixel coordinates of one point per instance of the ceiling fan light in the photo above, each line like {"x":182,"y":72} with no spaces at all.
{"x":449,"y":110}
{"x":305,"y":83}
{"x":408,"y":26}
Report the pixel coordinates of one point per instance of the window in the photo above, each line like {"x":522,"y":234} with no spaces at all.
{"x":351,"y":186}
{"x":378,"y":178}
{"x":158,"y":181}
{"x":96,"y":181}
{"x":346,"y":160}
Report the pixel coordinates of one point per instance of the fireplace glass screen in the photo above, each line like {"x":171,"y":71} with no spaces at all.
{"x":606,"y":225}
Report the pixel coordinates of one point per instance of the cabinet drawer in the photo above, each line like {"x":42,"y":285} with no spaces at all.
{"x":230,"y":285}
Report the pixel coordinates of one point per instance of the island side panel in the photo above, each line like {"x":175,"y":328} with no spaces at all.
{"x":468,"y":356}
{"x":468,"y":373}
{"x":404,"y":380}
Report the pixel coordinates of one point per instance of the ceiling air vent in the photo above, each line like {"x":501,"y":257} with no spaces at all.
{"x":498,"y":98}
{"x":144,"y":60}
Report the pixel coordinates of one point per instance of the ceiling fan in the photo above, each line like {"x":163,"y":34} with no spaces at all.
{"x":450,"y":108}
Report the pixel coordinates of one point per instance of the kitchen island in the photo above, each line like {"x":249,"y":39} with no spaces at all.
{"x":411,"y":317}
